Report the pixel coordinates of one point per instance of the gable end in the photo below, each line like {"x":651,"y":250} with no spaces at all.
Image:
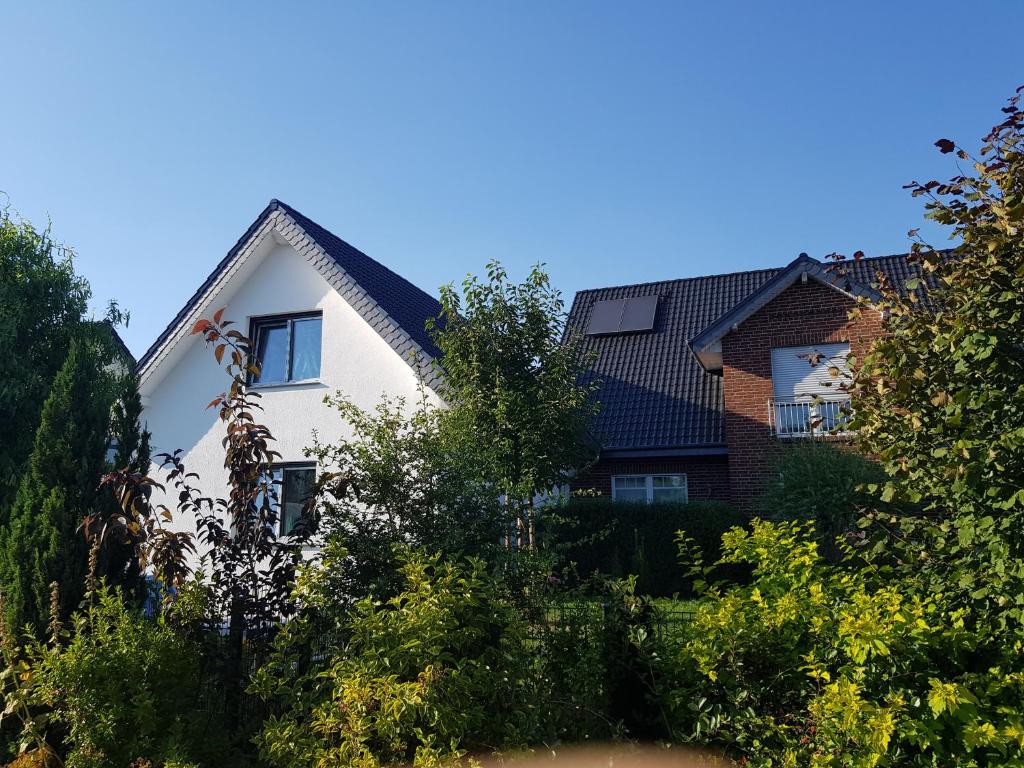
{"x":277,"y":220}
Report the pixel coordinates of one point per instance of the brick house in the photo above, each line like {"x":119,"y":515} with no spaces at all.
{"x":704,"y":378}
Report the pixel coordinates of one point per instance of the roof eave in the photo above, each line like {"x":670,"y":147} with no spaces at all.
{"x":679,"y":451}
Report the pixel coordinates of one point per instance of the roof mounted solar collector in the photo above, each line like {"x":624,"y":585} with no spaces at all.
{"x":622,"y":315}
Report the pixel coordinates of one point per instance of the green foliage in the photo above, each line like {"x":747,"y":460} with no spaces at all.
{"x":130,"y":436}
{"x":119,"y":686}
{"x":821,"y":665}
{"x":617,"y":539}
{"x":910,"y":651}
{"x":41,"y":543}
{"x":117,"y":561}
{"x":819,"y":481}
{"x":514,"y":384}
{"x":43,"y":302}
{"x":440,"y":670}
{"x":414,"y":486}
{"x":940,"y":400}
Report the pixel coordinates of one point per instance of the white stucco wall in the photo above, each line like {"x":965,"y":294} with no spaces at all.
{"x":354,"y":359}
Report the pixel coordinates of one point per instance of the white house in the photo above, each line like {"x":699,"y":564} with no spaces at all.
{"x":324,"y":316}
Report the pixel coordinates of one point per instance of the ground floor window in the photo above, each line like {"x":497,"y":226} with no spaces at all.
{"x":293,"y":484}
{"x":649,"y":488}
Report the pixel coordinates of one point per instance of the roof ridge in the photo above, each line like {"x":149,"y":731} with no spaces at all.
{"x":291,"y":210}
{"x":826,"y":263}
{"x":401,"y":305}
{"x":675,"y":280}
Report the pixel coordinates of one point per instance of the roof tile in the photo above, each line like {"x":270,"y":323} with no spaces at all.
{"x":654,"y":392}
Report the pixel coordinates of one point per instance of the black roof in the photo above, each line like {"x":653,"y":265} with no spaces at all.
{"x":409,"y":306}
{"x":655,"y":395}
{"x":119,"y":343}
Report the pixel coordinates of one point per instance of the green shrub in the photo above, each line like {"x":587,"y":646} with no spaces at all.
{"x":819,"y":481}
{"x":814,"y":664}
{"x":120,"y":686}
{"x":576,"y":648}
{"x":618,"y":539}
{"x":441,"y":669}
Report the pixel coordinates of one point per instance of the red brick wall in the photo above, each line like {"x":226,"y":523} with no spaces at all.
{"x":707,"y":477}
{"x":804,"y":314}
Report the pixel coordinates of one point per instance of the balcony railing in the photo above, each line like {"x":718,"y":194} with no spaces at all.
{"x":809,"y":418}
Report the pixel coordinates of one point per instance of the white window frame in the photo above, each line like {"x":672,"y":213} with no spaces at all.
{"x":649,"y":485}
{"x":810,"y":409}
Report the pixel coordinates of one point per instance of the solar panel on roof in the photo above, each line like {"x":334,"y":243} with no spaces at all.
{"x":622,"y":315}
{"x":606,"y":316}
{"x":638,"y":314}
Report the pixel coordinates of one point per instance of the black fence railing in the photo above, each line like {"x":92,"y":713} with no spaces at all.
{"x":666,"y":618}
{"x":588,"y":618}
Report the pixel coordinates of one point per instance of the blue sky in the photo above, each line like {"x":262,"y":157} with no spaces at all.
{"x":616,"y":142}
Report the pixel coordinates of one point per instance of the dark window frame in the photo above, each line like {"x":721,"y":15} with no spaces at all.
{"x":283,"y":467}
{"x":288,"y":320}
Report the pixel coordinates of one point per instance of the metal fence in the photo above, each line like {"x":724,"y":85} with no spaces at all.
{"x":588,"y":620}
{"x":790,"y":418}
{"x":666,"y":618}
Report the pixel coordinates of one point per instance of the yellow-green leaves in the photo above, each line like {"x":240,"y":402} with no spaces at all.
{"x":946,"y":697}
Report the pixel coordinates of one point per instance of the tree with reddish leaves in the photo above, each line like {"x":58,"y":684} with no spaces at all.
{"x":251,"y":569}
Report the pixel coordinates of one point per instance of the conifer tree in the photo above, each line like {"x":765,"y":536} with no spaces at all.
{"x":118,"y":562}
{"x":42,"y":305}
{"x":42,"y":542}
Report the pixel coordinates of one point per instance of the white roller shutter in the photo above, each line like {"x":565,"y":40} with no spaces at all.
{"x":801,"y":373}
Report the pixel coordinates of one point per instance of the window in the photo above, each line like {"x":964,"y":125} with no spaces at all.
{"x":293,"y":484}
{"x":629,"y":488}
{"x":287,"y":348}
{"x":808,"y":387}
{"x":650,"y":488}
{"x":112,"y":447}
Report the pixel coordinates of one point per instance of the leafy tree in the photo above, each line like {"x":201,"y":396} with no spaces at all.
{"x":42,"y":542}
{"x":513,"y":381}
{"x":415,"y":486}
{"x":909,"y":652}
{"x":251,"y":568}
{"x":940,"y":400}
{"x":43,"y":302}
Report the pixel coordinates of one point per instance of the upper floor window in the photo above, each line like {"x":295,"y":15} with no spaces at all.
{"x":650,"y":488}
{"x":287,"y":347}
{"x":809,"y":389}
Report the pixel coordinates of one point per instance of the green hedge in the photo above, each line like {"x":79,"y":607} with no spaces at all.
{"x":594,"y":535}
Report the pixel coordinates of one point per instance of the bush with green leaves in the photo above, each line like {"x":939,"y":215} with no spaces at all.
{"x":909,"y":652}
{"x":814,"y":664}
{"x":435,"y":672}
{"x":119,"y":687}
{"x":819,"y":481}
{"x":408,"y":481}
{"x":451,"y":666}
{"x":617,"y":539}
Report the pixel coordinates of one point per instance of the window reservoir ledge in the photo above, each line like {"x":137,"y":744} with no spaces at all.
{"x":303,"y":384}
